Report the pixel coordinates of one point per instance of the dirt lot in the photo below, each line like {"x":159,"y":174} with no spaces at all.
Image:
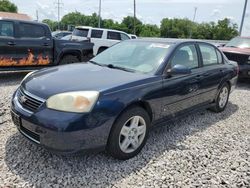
{"x":202,"y":150}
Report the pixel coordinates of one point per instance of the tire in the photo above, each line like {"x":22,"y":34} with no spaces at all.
{"x":100,"y":50}
{"x":125,"y":147}
{"x":221,"y":100}
{"x":68,"y":59}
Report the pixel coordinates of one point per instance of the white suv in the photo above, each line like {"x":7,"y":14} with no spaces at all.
{"x":102,"y":38}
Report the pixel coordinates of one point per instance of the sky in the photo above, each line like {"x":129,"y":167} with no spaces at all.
{"x":148,"y":11}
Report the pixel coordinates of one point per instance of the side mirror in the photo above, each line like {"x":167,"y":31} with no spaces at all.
{"x":178,"y":70}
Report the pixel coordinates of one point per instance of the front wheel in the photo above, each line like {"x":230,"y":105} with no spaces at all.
{"x":129,"y":134}
{"x":222,"y":99}
{"x":68,"y":59}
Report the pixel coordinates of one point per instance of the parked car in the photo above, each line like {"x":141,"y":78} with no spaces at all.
{"x":133,"y":36}
{"x":238,"y":49}
{"x":112,"y":101}
{"x":29,"y":45}
{"x":102,"y":38}
{"x":60,"y":34}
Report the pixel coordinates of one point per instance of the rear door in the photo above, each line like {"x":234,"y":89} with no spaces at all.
{"x":181,"y":92}
{"x":97,"y":38}
{"x":7,"y":43}
{"x":213,"y":71}
{"x":34,"y":45}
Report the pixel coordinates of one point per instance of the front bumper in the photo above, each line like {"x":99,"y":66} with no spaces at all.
{"x":244,"y":71}
{"x":62,"y":132}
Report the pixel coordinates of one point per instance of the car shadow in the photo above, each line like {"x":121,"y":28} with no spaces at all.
{"x":12,"y":78}
{"x":30,"y":161}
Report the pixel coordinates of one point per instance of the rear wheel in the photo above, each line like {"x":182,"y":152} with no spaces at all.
{"x":222,"y":99}
{"x":68,"y":59}
{"x":129,"y":134}
{"x":101,"y":50}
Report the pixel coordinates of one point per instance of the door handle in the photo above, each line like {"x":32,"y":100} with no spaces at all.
{"x":45,"y":44}
{"x":10,"y":43}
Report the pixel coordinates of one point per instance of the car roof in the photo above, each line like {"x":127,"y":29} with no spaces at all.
{"x":104,"y":29}
{"x":243,"y":37}
{"x":23,"y":21}
{"x":170,"y":40}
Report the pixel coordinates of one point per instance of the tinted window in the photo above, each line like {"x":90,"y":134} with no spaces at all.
{"x":239,"y":42}
{"x":6,"y":29}
{"x":114,"y":35}
{"x":187,"y":56}
{"x":220,"y":58}
{"x":81,"y":32}
{"x":209,"y":54}
{"x":31,"y":31}
{"x":96,"y":33}
{"x":124,"y":37}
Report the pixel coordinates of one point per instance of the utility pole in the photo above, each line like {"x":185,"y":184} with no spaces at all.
{"x":37,"y":16}
{"x":243,"y":17}
{"x":59,"y":5}
{"x":100,"y":10}
{"x":195,"y":11}
{"x":134,"y":17}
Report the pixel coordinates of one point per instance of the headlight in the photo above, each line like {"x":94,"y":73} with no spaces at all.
{"x":82,"y":101}
{"x":27,"y":75}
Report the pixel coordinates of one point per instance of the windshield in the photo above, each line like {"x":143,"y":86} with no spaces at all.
{"x":138,"y":56}
{"x":81,"y":32}
{"x":239,"y":43}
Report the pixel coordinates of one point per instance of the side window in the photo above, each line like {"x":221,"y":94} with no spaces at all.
{"x":31,"y":31}
{"x":124,"y":37}
{"x":220,"y":58}
{"x":96,"y":33}
{"x":209,"y":55}
{"x":80,"y":32}
{"x":114,"y":35}
{"x":187,"y":56}
{"x":6,"y":29}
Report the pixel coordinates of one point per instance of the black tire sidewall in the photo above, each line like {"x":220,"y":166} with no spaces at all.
{"x":113,"y":143}
{"x":68,"y":59}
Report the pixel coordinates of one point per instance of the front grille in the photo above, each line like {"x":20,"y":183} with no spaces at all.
{"x":27,"y":101}
{"x":31,"y":135}
{"x":239,"y":58}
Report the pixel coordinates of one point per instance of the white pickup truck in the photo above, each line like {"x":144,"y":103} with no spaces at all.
{"x":102,"y":38}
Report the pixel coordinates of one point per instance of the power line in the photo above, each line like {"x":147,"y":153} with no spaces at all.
{"x":243,"y":17}
{"x":59,"y":5}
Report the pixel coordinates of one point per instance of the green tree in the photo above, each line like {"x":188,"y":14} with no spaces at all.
{"x":52,"y":24}
{"x":149,"y":30}
{"x":177,"y":28}
{"x":7,"y":6}
{"x":129,"y":23}
{"x":225,"y":30}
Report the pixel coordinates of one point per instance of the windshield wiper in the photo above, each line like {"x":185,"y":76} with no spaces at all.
{"x":232,"y":46}
{"x":120,"y":68}
{"x":95,"y":63}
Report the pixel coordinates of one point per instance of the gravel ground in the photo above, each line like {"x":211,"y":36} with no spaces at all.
{"x":202,"y":150}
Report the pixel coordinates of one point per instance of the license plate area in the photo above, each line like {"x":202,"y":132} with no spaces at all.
{"x":16,"y":119}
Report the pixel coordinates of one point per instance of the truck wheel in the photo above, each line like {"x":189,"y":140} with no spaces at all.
{"x":68,"y":59}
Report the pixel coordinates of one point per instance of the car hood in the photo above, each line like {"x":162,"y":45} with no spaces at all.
{"x":77,"y":77}
{"x":244,"y":51}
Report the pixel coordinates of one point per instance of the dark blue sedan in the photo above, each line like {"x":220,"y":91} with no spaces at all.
{"x":112,"y":101}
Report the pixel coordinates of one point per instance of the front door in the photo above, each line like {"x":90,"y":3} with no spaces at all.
{"x":7,"y":43}
{"x":180,"y":91}
{"x":33,"y":46}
